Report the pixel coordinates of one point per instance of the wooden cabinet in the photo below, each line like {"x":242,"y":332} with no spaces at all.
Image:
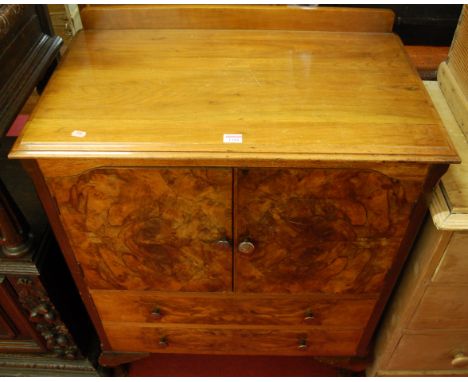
{"x":321,"y":245}
{"x":287,"y":242}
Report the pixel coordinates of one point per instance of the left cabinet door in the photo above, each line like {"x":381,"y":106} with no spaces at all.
{"x":149,"y":228}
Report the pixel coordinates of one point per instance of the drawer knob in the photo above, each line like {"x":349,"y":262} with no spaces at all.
{"x":156,"y":313}
{"x":309,"y":316}
{"x":163,"y":342}
{"x":460,"y":360}
{"x":246,"y":247}
{"x":302,"y":344}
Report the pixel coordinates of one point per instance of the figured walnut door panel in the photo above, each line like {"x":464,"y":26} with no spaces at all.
{"x":149,"y":228}
{"x":319,"y":230}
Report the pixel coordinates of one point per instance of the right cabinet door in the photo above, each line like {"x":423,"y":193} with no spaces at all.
{"x":333,"y":230}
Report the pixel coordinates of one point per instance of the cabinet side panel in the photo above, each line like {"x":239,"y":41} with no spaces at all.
{"x":34,"y":171}
{"x":414,"y":223}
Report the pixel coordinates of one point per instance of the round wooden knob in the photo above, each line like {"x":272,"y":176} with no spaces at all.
{"x":163,"y":342}
{"x":156,"y":313}
{"x":246,"y":246}
{"x":302,"y":344}
{"x":460,"y":360}
{"x":309,"y":316}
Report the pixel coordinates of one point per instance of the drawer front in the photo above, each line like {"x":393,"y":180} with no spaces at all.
{"x":215,"y":340}
{"x":453,"y":267}
{"x":442,"y":307}
{"x":152,"y":307}
{"x":433,"y":351}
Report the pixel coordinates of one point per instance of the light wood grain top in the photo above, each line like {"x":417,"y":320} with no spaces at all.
{"x":225,"y":16}
{"x":291,"y":94}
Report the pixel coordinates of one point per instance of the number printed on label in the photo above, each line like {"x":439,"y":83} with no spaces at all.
{"x":78,"y":134}
{"x":232,"y":138}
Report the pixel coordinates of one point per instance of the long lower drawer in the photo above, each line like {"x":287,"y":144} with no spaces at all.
{"x":193,"y":308}
{"x":216,"y":340}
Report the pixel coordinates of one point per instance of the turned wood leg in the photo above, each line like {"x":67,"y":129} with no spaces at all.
{"x":15,"y":238}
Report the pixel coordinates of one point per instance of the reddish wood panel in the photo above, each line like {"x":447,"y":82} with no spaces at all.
{"x":149,"y":228}
{"x":307,"y":311}
{"x":7,"y":329}
{"x":427,"y":58}
{"x":18,"y":334}
{"x":218,"y":340}
{"x":320,"y":230}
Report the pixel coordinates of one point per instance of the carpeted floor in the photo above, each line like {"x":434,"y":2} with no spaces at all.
{"x":180,"y":365}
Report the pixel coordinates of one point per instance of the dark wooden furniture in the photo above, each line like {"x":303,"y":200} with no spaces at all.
{"x":288,"y":242}
{"x":29,"y":52}
{"x":32,"y":271}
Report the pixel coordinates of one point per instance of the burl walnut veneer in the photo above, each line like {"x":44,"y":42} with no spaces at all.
{"x":288,"y":243}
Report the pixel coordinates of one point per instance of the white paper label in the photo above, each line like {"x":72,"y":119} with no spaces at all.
{"x":232,"y":138}
{"x":78,"y":134}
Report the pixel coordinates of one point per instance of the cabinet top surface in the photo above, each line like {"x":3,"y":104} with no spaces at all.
{"x":291,"y":94}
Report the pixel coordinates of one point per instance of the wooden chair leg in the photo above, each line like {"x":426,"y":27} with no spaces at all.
{"x":15,"y":237}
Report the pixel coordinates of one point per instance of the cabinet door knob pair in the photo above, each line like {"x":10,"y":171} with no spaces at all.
{"x":245,"y":246}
